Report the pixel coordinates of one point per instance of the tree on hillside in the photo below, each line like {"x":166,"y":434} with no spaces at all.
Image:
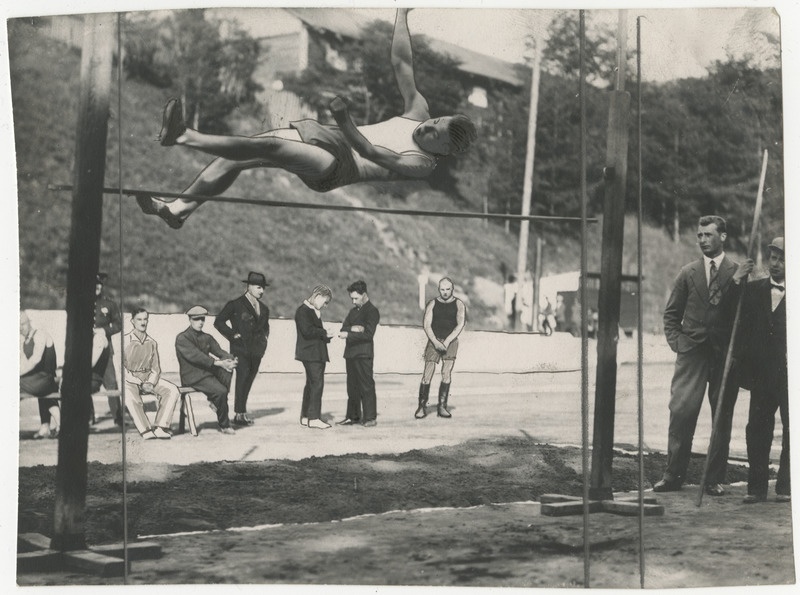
{"x":186,"y":50}
{"x":703,"y":143}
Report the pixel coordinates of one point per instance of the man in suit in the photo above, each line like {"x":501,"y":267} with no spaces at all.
{"x":312,"y":350}
{"x":358,"y":330}
{"x":245,"y":323}
{"x":763,"y":357}
{"x":697,"y":322}
{"x":107,"y":317}
{"x":205,"y":366}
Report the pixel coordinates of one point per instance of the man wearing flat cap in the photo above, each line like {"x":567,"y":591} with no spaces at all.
{"x":762,"y":357}
{"x":244,"y":321}
{"x":205,"y":366}
{"x":108,"y":318}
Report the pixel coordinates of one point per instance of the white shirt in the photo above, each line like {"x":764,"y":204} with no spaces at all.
{"x":310,"y":305}
{"x":777,"y":294}
{"x":253,"y":302}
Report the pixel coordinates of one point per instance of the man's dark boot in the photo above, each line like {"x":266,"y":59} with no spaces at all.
{"x":444,"y":392}
{"x":424,"y":391}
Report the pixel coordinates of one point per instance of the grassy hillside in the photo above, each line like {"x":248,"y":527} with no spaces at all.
{"x":167,"y":270}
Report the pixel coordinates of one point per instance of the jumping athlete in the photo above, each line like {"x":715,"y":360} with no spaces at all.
{"x":323,"y":157}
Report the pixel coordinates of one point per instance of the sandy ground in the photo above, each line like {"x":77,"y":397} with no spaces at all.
{"x":430,"y":502}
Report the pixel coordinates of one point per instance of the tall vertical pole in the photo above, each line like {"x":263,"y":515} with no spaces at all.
{"x":639,"y":298}
{"x":584,"y":306}
{"x":611,"y":276}
{"x":84,"y":260}
{"x":527,"y":187}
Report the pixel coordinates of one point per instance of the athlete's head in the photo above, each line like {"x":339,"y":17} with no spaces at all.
{"x":445,"y":288}
{"x":445,"y":135}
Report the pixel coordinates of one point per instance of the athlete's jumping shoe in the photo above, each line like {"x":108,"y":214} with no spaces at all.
{"x":172,"y":125}
{"x":154,"y":206}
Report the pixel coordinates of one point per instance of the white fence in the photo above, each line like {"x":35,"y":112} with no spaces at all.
{"x":398,"y":349}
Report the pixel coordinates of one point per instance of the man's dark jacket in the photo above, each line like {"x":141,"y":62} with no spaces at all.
{"x":253,"y":329}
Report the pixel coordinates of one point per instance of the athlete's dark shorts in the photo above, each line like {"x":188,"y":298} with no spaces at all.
{"x":330,"y":138}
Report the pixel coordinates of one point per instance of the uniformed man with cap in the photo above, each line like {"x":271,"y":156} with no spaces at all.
{"x":108,"y":318}
{"x":244,"y":321}
{"x":763,"y":370}
{"x":205,"y":366}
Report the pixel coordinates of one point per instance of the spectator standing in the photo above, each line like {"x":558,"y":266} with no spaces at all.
{"x":245,"y":323}
{"x":358,"y":330}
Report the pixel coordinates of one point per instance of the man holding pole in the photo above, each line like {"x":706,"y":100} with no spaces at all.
{"x":697,"y":322}
{"x":763,"y":358}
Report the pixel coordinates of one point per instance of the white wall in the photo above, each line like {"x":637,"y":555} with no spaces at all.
{"x":398,"y":349}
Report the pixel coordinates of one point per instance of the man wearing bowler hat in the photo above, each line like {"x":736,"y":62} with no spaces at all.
{"x":763,"y":369}
{"x":205,"y":366}
{"x":245,"y":323}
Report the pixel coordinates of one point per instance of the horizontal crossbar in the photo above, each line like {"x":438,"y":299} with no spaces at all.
{"x":326,"y":207}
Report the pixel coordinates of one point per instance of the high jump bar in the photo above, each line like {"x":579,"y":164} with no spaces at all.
{"x":326,"y":207}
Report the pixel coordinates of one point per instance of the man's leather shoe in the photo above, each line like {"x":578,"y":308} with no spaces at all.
{"x":666,"y":486}
{"x":370,"y":424}
{"x":714,"y":489}
{"x":318,"y":424}
{"x":753,"y":498}
{"x":783,"y":498}
{"x":347,"y":422}
{"x":228,"y":430}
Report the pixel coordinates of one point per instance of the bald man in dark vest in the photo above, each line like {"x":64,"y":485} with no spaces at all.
{"x":444,"y":319}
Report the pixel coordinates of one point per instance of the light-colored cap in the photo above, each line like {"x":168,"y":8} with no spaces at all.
{"x":777,"y":244}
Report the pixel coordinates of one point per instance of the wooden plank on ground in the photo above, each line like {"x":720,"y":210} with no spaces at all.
{"x":39,"y":561}
{"x":632,"y":508}
{"x":569,"y":508}
{"x":138,"y":550}
{"x":36,"y":540}
{"x":94,"y":563}
{"x":551,"y":498}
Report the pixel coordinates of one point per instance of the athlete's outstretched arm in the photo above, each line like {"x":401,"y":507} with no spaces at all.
{"x":415,"y":105}
{"x":411,"y":166}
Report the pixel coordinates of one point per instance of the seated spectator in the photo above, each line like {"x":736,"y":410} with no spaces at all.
{"x":37,"y":375}
{"x":205,"y":366}
{"x":143,"y":377}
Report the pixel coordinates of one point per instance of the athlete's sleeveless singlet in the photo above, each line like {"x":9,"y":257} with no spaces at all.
{"x":350,"y":167}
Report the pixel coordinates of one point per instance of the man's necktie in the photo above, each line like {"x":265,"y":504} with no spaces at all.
{"x":713,"y":285}
{"x":778,"y":287}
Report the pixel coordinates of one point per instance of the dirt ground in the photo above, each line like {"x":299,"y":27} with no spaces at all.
{"x":460,"y":515}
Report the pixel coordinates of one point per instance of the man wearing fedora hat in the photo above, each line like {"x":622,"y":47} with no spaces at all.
{"x":763,"y":368}
{"x":244,"y":321}
{"x":205,"y":366}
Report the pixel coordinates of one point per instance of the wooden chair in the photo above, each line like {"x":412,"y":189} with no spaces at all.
{"x":187,"y":411}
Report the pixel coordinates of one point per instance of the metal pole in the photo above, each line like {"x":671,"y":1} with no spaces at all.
{"x":729,"y":356}
{"x":123,"y":429}
{"x":584,"y":311}
{"x":639,"y":299}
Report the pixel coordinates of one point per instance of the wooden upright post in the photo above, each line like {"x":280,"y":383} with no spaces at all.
{"x":527,"y":184}
{"x":84,"y":259}
{"x":610,"y":279}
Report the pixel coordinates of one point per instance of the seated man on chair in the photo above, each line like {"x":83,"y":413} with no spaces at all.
{"x":143,"y":377}
{"x":205,"y":366}
{"x":37,"y":375}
